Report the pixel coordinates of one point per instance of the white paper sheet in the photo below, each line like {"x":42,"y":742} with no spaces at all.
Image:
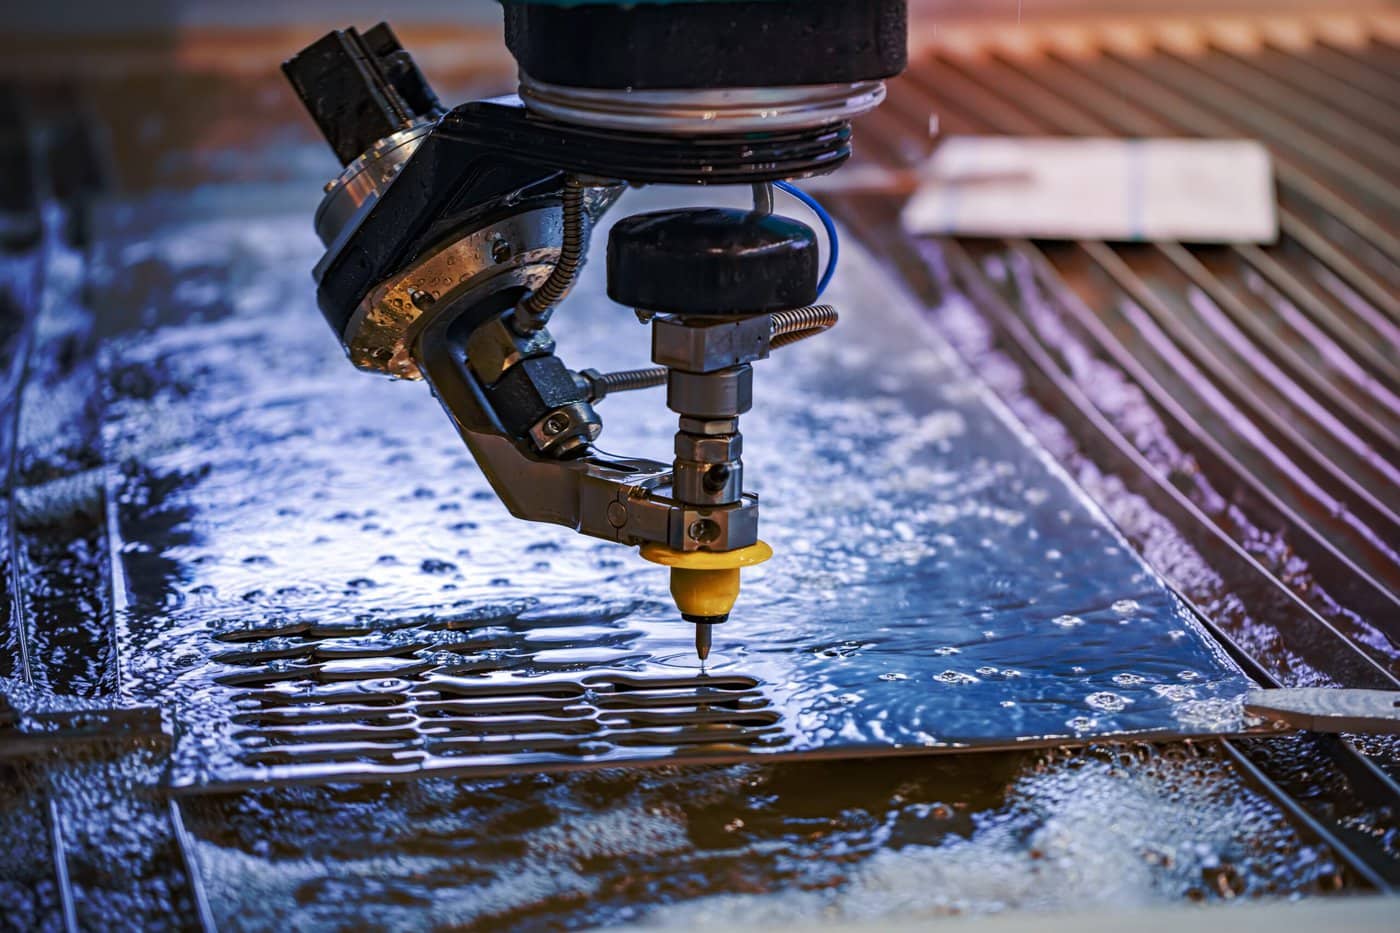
{"x":1187,"y":190}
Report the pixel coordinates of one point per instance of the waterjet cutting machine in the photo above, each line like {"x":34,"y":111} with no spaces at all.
{"x":451,"y":236}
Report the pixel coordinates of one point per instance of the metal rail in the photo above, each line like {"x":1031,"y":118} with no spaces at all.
{"x":63,"y":884}
{"x":1302,"y":818}
{"x":18,"y":613}
{"x":130,"y":720}
{"x":1218,"y":458}
{"x":185,"y":844}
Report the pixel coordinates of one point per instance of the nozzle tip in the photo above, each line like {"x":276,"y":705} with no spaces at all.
{"x":703,"y":634}
{"x":704,"y":631}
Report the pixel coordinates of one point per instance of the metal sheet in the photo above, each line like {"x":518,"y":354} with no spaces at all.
{"x":320,"y":582}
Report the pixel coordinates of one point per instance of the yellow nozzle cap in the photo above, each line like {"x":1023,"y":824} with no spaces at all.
{"x":705,"y":584}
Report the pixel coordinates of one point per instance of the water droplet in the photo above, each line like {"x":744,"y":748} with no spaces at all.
{"x":432,"y":565}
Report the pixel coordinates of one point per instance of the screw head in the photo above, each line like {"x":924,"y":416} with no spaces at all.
{"x":703,"y":530}
{"x":500,"y":249}
{"x":617,"y":514}
{"x":556,"y":423}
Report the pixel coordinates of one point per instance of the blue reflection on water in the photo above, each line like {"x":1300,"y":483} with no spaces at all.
{"x":937,"y":580}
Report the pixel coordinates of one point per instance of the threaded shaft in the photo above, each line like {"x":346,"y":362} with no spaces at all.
{"x":629,"y":380}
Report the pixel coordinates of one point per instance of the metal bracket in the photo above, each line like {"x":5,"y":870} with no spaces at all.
{"x":617,"y":499}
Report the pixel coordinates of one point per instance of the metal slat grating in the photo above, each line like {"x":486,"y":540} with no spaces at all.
{"x":1256,"y":388}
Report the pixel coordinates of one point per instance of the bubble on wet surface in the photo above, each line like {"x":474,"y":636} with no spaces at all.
{"x":1107,"y":702}
{"x":1212,"y":714}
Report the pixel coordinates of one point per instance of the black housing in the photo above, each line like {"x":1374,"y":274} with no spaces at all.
{"x":720,"y":43}
{"x":360,"y":88}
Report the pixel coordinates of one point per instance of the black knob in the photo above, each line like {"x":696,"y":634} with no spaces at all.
{"x":712,"y":261}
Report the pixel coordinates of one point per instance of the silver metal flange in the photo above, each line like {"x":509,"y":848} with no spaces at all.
{"x":698,"y":112}
{"x":365,"y":179}
{"x":518,"y":251}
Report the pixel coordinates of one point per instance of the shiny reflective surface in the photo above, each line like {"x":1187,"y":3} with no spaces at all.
{"x":290,"y":529}
{"x":766,"y":842}
{"x":754,"y":844}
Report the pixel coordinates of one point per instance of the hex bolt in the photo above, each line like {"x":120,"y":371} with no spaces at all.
{"x":709,"y":427}
{"x":723,"y":394}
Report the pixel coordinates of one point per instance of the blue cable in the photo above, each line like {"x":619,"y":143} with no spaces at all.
{"x":833,"y":242}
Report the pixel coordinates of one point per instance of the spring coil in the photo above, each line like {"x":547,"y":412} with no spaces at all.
{"x":788,"y":328}
{"x":800,"y":323}
{"x":534,"y":311}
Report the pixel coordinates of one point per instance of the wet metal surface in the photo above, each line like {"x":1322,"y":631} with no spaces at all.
{"x":754,"y":844}
{"x":88,"y":837}
{"x":322,"y":585}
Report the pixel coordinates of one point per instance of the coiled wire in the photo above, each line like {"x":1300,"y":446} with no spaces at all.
{"x":800,"y":323}
{"x":534,"y":310}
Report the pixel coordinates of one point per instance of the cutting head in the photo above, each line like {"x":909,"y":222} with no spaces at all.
{"x":452,"y":236}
